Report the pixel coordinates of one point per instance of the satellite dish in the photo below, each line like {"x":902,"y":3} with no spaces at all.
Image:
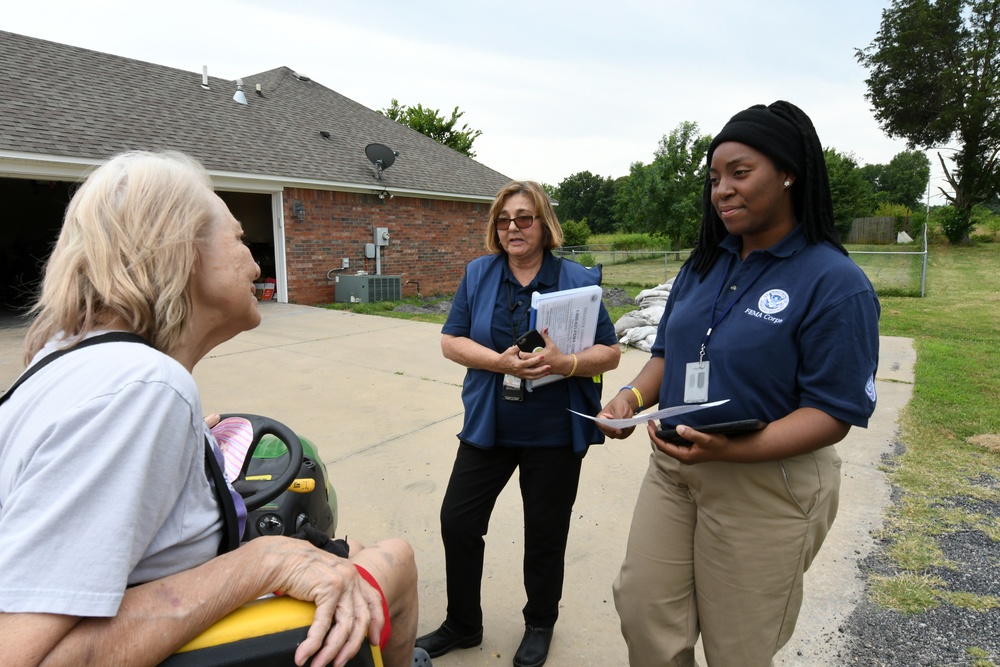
{"x":380,"y":156}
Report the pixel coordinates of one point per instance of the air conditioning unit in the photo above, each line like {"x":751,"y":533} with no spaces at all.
{"x":368,"y":289}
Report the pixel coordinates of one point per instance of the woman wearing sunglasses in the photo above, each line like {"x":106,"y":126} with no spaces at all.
{"x":507,"y":427}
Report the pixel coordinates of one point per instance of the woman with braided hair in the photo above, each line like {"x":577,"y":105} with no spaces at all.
{"x":771,"y":316}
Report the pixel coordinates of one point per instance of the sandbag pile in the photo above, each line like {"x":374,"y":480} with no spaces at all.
{"x":638,"y":327}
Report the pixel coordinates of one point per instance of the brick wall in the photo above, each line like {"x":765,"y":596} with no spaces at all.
{"x":430,"y":241}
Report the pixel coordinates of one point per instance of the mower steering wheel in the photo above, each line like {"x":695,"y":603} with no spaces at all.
{"x":265,"y":426}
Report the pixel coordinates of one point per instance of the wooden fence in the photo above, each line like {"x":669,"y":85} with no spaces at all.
{"x":875,"y":231}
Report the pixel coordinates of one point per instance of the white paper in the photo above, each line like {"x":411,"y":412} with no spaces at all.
{"x":571,"y":319}
{"x":659,"y":414}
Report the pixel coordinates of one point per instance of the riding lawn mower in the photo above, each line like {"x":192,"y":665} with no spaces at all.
{"x":286,"y":489}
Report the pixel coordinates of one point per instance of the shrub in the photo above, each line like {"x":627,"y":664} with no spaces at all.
{"x":575,"y":233}
{"x":899,"y":212}
{"x":955,"y":223}
{"x":986,"y":222}
{"x":886,"y":210}
{"x":917,"y":221}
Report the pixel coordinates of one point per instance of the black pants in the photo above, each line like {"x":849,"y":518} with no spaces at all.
{"x":549,"y":477}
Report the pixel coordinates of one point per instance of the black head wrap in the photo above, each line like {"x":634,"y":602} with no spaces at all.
{"x":784,"y":133}
{"x":764,"y":130}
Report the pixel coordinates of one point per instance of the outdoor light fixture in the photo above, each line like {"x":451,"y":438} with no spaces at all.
{"x":299,"y":211}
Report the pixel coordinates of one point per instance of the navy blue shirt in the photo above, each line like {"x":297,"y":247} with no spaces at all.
{"x":541,"y":419}
{"x":796,"y":326}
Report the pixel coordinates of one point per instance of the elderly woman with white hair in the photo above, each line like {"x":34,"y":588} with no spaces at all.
{"x":114,"y":549}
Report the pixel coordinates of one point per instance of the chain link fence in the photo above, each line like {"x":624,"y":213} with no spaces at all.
{"x":894,"y":270}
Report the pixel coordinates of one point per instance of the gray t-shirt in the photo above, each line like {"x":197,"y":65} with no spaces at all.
{"x":102,"y":480}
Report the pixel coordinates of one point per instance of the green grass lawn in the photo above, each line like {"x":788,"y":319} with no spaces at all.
{"x":950,"y":429}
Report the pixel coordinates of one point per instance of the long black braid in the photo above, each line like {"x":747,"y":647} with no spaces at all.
{"x":810,"y":194}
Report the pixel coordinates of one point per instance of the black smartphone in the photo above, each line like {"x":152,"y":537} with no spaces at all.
{"x":727,"y":428}
{"x":531,"y":341}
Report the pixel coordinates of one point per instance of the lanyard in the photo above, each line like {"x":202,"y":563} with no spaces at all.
{"x":515,"y":327}
{"x":717,"y":319}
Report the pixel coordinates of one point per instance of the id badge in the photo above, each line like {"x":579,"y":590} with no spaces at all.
{"x":696,"y":382}
{"x":513,"y":388}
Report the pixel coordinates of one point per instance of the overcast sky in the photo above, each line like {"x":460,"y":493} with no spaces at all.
{"x":555,"y":87}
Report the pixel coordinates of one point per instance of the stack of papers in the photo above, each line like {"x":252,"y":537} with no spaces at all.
{"x":571,"y":319}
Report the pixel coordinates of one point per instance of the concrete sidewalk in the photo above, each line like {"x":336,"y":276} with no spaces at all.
{"x":383,"y":406}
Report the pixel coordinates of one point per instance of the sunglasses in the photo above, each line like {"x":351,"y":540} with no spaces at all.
{"x":521,"y":221}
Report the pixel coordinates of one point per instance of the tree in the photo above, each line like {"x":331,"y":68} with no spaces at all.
{"x":903,"y":181}
{"x":664,"y":197}
{"x":851,"y":193}
{"x":431,"y":123}
{"x":585,"y":196}
{"x":934,"y":79}
{"x":906,"y":178}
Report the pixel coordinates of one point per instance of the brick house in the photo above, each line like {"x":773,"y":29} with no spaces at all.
{"x":291,"y":164}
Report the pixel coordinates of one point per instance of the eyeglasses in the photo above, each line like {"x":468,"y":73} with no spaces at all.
{"x":522,"y":221}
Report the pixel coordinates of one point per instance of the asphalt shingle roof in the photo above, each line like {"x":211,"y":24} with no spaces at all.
{"x":69,"y":102}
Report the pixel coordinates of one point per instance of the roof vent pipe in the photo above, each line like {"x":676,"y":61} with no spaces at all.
{"x":204,"y":77}
{"x":239,"y":97}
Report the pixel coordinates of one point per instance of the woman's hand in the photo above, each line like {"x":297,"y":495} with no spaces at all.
{"x":617,"y":408}
{"x":525,"y":365}
{"x":804,"y":430}
{"x":704,"y":446}
{"x":627,"y":401}
{"x":535,"y":365}
{"x":471,"y":354}
{"x":348,"y":609}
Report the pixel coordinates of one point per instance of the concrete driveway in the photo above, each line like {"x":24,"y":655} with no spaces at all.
{"x":383,"y":406}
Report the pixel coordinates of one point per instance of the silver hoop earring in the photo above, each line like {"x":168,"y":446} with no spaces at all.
{"x":787,"y":183}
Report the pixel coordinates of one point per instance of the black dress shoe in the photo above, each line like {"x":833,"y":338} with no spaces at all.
{"x":444,"y":639}
{"x":534,"y":648}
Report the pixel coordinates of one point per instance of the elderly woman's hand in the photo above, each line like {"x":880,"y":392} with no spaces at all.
{"x":348,"y":609}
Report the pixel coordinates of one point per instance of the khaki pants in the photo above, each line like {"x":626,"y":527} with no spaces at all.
{"x":720,"y":549}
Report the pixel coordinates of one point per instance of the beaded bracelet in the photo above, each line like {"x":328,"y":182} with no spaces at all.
{"x":638,"y":397}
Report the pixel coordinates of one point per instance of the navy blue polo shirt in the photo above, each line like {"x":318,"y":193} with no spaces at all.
{"x":541,"y":419}
{"x":796,"y":326}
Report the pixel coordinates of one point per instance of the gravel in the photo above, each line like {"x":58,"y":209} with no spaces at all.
{"x":943,"y":636}
{"x":431,"y":306}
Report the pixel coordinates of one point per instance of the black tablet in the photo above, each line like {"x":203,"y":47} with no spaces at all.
{"x":727,"y":428}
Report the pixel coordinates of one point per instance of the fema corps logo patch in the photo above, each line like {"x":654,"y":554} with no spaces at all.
{"x":773,"y":301}
{"x":870,"y":387}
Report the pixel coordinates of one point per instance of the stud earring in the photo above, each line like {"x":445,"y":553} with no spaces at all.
{"x":787,"y":183}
